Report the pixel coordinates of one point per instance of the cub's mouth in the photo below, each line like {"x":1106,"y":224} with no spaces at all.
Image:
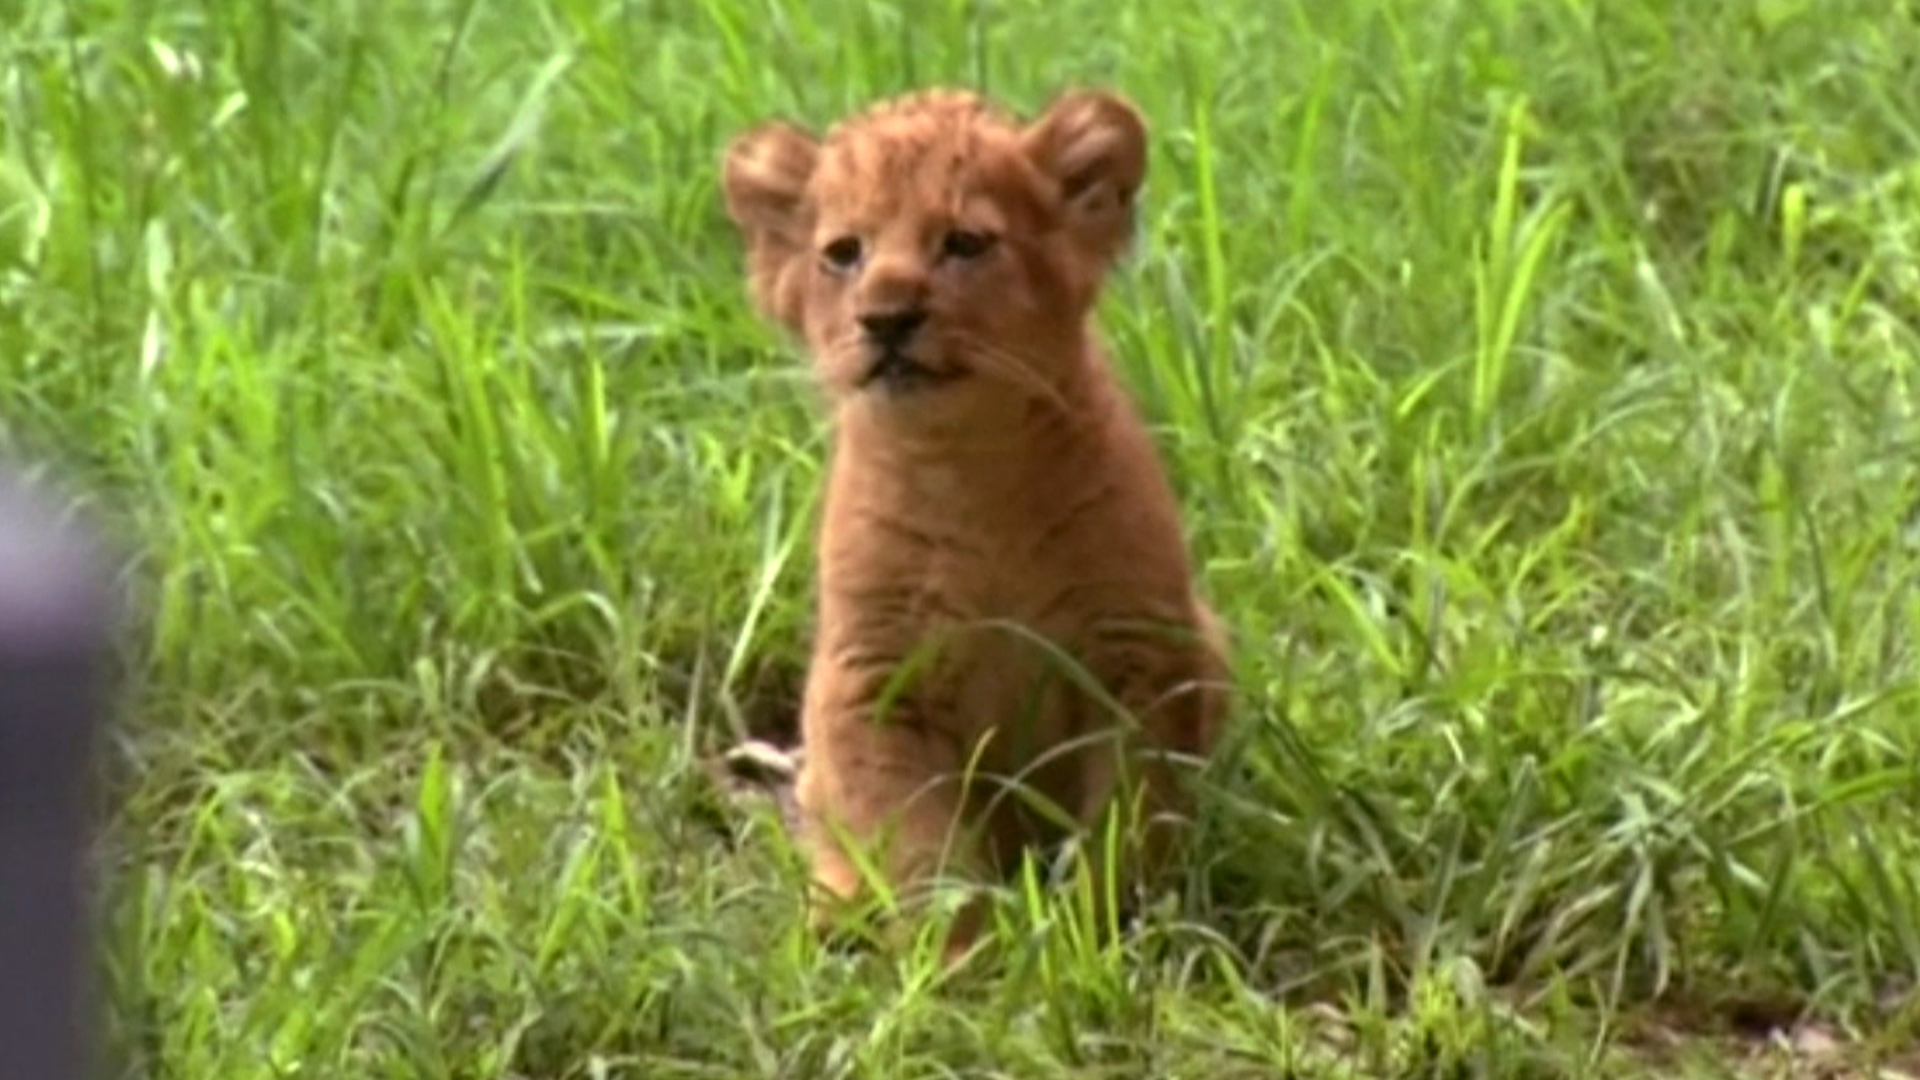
{"x":895,"y":372}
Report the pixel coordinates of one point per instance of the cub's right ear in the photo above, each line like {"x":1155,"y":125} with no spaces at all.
{"x":765,"y":176}
{"x":764,"y":179}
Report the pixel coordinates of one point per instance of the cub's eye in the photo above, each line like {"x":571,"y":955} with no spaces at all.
{"x":966,"y":244}
{"x":843,"y":253}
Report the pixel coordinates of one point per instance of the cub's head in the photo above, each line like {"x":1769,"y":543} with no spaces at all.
{"x":934,"y":245}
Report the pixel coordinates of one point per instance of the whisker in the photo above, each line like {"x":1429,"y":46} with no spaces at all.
{"x":1013,"y":367}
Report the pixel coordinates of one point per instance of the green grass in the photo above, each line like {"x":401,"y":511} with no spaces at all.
{"x":1540,"y":379}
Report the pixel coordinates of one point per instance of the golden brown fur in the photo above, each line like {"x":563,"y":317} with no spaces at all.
{"x":990,"y":484}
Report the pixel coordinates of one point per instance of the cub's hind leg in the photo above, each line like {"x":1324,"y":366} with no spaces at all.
{"x":1137,"y":802}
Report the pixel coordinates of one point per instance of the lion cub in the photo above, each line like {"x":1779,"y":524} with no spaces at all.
{"x":1008,"y":634}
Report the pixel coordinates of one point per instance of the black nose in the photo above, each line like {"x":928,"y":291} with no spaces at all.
{"x":891,"y":329}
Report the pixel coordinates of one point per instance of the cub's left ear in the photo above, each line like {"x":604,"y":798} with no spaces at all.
{"x":764,"y":180}
{"x":1094,"y":145}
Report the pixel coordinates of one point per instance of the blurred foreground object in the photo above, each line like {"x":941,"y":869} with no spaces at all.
{"x":55,"y":628}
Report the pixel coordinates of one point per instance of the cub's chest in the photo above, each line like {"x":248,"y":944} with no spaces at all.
{"x":941,"y":538}
{"x":921,"y":575}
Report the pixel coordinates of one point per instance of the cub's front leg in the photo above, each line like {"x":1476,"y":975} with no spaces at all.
{"x":882,"y":779}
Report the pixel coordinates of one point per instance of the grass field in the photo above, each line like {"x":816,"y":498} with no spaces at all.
{"x":1540,"y":380}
